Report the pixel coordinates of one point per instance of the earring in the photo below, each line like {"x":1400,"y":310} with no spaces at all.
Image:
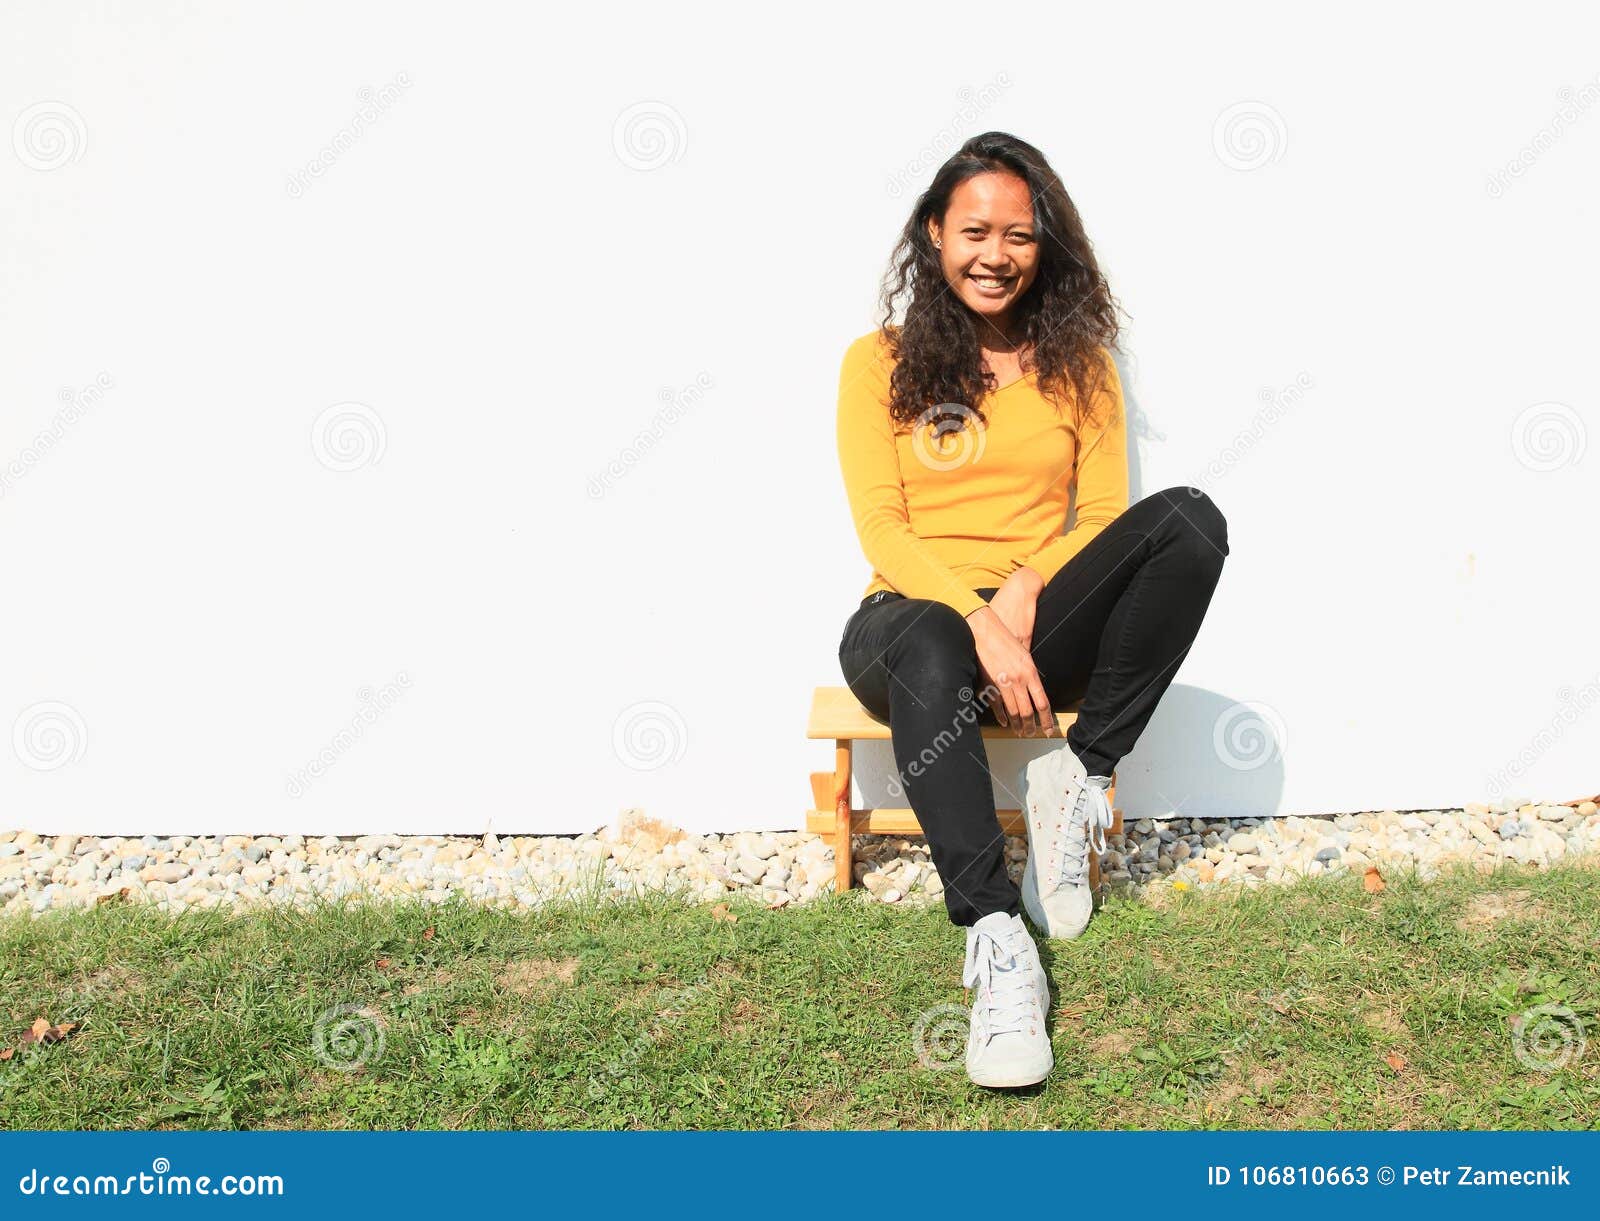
{"x":938,"y":245}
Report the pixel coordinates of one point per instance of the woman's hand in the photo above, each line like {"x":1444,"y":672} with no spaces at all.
{"x":1005,"y":663}
{"x":1016,"y":602}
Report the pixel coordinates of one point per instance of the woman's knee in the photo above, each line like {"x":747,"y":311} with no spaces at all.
{"x":1195,"y":520}
{"x":868,"y":687}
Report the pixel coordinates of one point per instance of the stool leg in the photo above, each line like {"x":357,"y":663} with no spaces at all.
{"x":842,"y":863}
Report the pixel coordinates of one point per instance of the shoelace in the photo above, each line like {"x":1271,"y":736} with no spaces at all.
{"x":1092,"y":812}
{"x":1005,"y":986}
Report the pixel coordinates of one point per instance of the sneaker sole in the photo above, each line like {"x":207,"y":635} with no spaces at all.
{"x":1012,"y":1080}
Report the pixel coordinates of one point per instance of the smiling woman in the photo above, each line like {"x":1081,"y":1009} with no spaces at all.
{"x":979,"y":603}
{"x":997,"y":268}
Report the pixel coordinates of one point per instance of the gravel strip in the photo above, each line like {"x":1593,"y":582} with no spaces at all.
{"x":780,"y":867}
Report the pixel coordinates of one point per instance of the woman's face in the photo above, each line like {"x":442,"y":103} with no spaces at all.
{"x":988,"y":235}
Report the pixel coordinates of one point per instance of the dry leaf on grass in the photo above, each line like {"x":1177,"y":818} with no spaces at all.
{"x":1395,"y":1061}
{"x":721,"y":912}
{"x":40,"y":1032}
{"x":1372,"y":880}
{"x":43,"y":1032}
{"x":427,"y":933}
{"x":383,"y":964}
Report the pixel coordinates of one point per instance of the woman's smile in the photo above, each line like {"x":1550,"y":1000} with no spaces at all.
{"x":992,"y":286}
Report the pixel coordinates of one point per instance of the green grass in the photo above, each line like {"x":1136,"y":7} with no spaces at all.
{"x":1269,"y":1008}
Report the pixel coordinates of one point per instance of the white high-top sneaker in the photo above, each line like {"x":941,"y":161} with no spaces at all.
{"x":1068,"y":813}
{"x":1008,"y":1044}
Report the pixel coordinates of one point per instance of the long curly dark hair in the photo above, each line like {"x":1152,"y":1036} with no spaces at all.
{"x":1067,"y":314}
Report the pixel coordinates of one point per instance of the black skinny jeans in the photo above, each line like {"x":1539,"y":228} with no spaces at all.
{"x":1111,"y":629}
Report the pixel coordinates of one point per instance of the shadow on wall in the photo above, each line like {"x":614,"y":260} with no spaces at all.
{"x":1204,"y":755}
{"x":1138,"y":427}
{"x":1201,"y":756}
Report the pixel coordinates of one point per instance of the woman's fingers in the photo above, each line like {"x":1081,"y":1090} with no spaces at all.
{"x":1018,"y":707}
{"x":1032,"y":721}
{"x":1041,"y":704}
{"x":1023,"y":706}
{"x":1022,"y":690}
{"x":1028,"y":703}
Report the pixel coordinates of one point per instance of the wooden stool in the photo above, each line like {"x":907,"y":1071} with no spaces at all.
{"x":837,"y":714}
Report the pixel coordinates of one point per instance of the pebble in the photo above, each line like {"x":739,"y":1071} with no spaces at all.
{"x":41,"y":873}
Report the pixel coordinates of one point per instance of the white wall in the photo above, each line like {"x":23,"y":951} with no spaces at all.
{"x":551,"y":233}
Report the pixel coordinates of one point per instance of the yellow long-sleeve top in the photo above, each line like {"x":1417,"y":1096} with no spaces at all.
{"x":942,"y":516}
